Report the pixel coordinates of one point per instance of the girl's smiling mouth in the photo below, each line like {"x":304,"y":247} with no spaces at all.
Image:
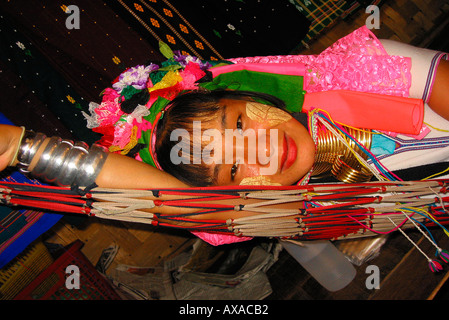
{"x":289,"y":153}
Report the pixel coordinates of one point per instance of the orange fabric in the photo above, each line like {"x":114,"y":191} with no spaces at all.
{"x":368,"y":110}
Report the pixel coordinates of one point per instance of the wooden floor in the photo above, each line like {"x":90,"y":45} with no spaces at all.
{"x":139,"y":245}
{"x":418,"y":22}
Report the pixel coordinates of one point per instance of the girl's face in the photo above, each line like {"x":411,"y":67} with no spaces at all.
{"x":260,"y":144}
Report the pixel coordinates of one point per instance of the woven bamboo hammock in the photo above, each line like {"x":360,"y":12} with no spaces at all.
{"x":311,"y":212}
{"x":324,"y":211}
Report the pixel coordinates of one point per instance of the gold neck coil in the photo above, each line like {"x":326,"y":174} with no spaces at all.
{"x":336,"y":159}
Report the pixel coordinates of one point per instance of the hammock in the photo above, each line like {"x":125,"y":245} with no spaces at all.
{"x":323,"y":211}
{"x":332,"y":211}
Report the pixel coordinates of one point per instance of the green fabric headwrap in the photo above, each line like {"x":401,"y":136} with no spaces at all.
{"x":288,"y":88}
{"x":157,"y":107}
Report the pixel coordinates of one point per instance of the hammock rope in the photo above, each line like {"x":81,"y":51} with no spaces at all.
{"x":311,"y":212}
{"x":328,"y":211}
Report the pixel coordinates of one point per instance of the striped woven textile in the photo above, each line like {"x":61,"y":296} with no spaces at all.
{"x":219,"y":29}
{"x":323,"y":14}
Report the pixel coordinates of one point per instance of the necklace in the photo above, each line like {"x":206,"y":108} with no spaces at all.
{"x":338,"y":159}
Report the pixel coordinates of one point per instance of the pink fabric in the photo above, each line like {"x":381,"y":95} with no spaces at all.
{"x":294,"y":69}
{"x":357,"y":62}
{"x":369,"y":110}
{"x":219,"y":239}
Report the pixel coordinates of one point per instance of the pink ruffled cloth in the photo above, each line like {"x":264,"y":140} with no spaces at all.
{"x":357,"y":62}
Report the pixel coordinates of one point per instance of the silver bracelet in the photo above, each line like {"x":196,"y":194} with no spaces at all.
{"x":91,"y":166}
{"x":29,"y":145}
{"x":62,"y":162}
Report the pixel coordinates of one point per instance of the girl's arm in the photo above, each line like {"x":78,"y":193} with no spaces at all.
{"x":117,"y":172}
{"x":439,"y":97}
{"x":126,"y":173}
{"x":123,"y":172}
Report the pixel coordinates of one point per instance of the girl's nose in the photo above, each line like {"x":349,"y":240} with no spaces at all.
{"x":259,"y":147}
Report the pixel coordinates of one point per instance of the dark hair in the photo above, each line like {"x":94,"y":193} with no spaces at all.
{"x":183,"y":111}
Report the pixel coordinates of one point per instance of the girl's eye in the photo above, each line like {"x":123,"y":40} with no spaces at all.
{"x":234,"y":170}
{"x":239,"y":125}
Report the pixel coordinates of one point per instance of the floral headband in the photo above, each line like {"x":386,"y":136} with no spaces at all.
{"x":129,"y":112}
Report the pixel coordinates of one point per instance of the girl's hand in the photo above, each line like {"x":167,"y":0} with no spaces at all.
{"x":9,"y":142}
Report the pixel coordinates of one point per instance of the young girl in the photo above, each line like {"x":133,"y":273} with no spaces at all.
{"x":186,"y":100}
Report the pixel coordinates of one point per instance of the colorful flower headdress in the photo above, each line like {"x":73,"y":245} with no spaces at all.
{"x":128,"y":114}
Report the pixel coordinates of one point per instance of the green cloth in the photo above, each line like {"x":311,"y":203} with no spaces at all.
{"x":157,"y":107}
{"x":285,"y":87}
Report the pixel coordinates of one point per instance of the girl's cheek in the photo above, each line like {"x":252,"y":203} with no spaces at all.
{"x":253,"y":177}
{"x":258,"y":181}
{"x":266,"y":115}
